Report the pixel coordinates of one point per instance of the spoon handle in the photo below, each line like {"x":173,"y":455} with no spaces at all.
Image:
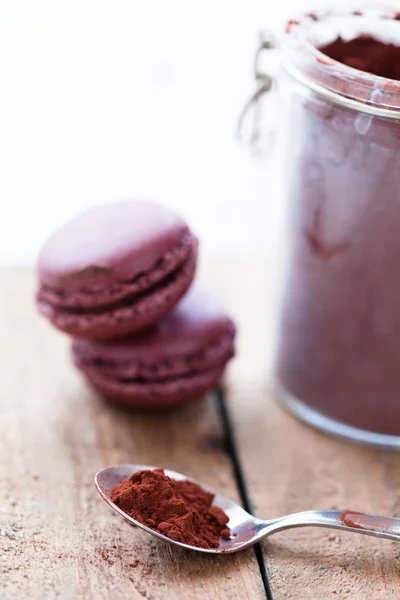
{"x":385,"y":527}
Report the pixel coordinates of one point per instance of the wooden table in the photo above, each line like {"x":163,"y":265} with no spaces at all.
{"x":60,"y":540}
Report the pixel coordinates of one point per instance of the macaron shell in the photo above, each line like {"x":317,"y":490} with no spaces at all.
{"x":110,"y":243}
{"x":197,"y":322}
{"x":104,"y":293}
{"x":156,"y":395}
{"x":178,"y":359}
{"x":117,"y":322}
{"x":92,"y":359}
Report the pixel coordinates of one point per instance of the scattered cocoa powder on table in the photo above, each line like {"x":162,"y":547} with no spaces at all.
{"x":180,"y":510}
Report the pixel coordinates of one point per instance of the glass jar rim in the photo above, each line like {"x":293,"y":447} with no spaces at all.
{"x":340,"y":83}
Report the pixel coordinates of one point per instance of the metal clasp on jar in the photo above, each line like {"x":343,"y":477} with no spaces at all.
{"x":264,"y":84}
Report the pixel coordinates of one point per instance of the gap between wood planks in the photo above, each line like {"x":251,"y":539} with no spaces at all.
{"x":240,"y":478}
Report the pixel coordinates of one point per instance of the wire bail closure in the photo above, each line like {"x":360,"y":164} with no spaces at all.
{"x":265,"y":82}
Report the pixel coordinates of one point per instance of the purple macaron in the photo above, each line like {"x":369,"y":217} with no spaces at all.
{"x":115,"y":269}
{"x":175,"y":361}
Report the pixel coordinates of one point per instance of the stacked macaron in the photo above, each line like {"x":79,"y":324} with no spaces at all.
{"x":115,"y":278}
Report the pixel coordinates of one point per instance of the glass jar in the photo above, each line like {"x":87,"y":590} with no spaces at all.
{"x":338,"y":364}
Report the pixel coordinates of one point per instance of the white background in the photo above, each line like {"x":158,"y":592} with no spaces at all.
{"x":105,"y":99}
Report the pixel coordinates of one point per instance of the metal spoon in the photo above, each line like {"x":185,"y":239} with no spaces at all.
{"x":246,"y":529}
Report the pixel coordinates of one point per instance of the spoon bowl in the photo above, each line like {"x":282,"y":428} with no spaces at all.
{"x":247,"y":530}
{"x":241,"y":523}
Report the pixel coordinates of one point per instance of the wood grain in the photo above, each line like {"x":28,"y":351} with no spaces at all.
{"x":54,"y":432}
{"x":58,"y":538}
{"x":290,"y":467}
